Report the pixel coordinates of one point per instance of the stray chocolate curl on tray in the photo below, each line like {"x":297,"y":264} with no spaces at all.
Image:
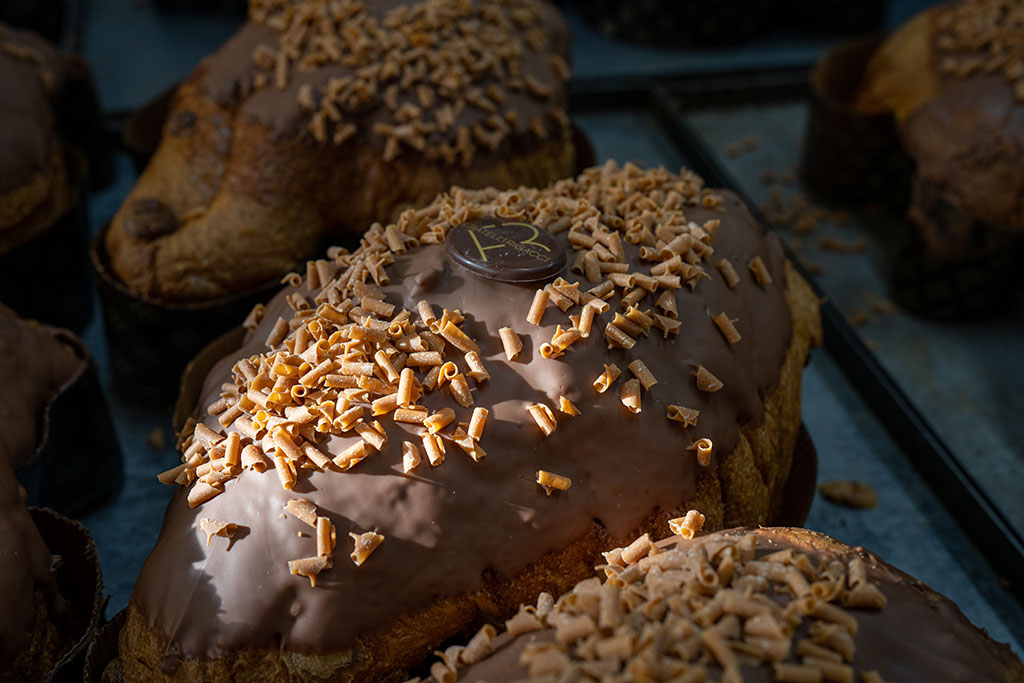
{"x":854,"y":494}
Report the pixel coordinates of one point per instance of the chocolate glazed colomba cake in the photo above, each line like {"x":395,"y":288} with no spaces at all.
{"x":35,"y":366}
{"x":320,"y":118}
{"x":775,"y":604}
{"x":954,"y":77}
{"x":465,"y":412}
{"x":34,"y":187}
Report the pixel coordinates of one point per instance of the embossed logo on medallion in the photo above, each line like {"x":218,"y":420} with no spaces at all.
{"x":505,"y":250}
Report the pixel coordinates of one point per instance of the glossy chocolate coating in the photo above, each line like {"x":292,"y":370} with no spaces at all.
{"x":445,"y":526}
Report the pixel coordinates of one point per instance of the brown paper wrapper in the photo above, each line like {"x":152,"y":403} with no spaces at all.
{"x":101,"y":660}
{"x":79,"y":582}
{"x":798,"y":493}
{"x":47,"y":278}
{"x":151,"y":341}
{"x":78,"y":461}
{"x":943,"y":263}
{"x":851,"y":156}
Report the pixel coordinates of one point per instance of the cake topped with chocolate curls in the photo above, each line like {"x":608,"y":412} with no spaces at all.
{"x":771,"y":604}
{"x":319,"y":118}
{"x":465,"y":411}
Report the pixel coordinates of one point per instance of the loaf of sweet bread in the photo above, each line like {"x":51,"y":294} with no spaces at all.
{"x":954,"y":78}
{"x":317,"y":119}
{"x":465,"y":412}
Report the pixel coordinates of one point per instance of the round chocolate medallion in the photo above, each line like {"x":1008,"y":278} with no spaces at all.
{"x":504,"y":250}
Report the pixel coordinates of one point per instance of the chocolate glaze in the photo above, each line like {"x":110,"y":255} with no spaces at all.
{"x":445,"y":526}
{"x":28,"y":136}
{"x":919,"y":636}
{"x":226,"y":76}
{"x":35,"y":366}
{"x":24,"y":564}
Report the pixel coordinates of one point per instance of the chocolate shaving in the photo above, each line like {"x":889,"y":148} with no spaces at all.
{"x":854,"y":494}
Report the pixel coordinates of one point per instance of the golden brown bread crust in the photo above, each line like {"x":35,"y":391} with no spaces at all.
{"x":739,"y":487}
{"x":233,"y":199}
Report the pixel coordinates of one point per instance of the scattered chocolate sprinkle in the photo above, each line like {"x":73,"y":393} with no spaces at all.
{"x":552,"y":482}
{"x":703,"y":447}
{"x":215,"y":527}
{"x":858,"y":245}
{"x":743,"y":146}
{"x":365,"y":544}
{"x":705,"y":380}
{"x":854,"y":494}
{"x":687,"y":526}
{"x":859,"y":318}
{"x":156,"y":439}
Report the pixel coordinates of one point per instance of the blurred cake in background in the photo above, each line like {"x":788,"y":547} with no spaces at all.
{"x":953,"y":77}
{"x":318,"y":119}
